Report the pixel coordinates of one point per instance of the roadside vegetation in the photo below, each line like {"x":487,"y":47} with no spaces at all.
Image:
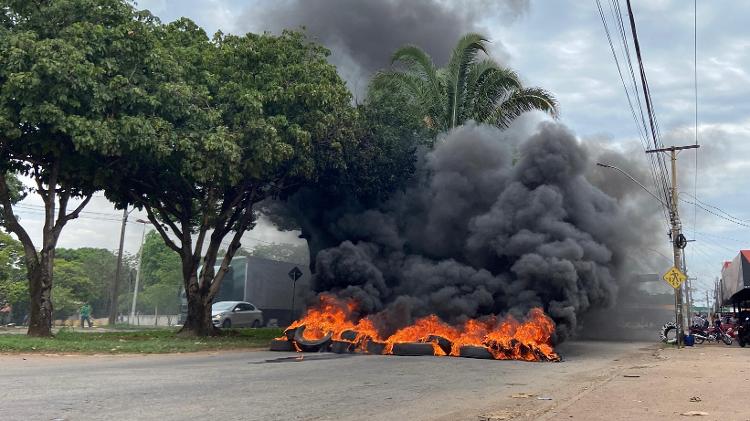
{"x":203,"y":133}
{"x":142,"y":341}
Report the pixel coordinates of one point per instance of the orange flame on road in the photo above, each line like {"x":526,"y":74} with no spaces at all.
{"x":506,"y":339}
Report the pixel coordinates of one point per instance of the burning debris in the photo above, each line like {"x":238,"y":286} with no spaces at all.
{"x":495,"y":222}
{"x":335,"y":325}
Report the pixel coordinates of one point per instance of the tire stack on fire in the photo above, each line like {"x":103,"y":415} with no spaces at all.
{"x":350,"y":342}
{"x":334,"y":325}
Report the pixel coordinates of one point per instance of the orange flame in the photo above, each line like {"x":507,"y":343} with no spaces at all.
{"x":505,"y":339}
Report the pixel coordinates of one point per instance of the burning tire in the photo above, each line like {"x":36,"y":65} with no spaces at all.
{"x":669,"y":333}
{"x":281,"y":345}
{"x":473,"y":351}
{"x":442,"y":342}
{"x":349,"y":335}
{"x":413,"y":349}
{"x":342,"y":347}
{"x":289,"y":333}
{"x":375,"y":348}
{"x":316,"y":345}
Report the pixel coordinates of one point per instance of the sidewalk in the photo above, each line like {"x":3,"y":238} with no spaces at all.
{"x":709,"y":382}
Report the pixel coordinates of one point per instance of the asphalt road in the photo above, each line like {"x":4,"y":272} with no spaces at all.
{"x":281,"y":386}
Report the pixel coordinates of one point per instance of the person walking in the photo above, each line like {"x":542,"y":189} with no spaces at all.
{"x":86,"y":314}
{"x":698,"y":321}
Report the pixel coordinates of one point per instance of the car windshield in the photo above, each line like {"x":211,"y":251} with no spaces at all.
{"x":226,"y":305}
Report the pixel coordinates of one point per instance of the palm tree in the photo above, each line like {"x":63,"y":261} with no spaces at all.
{"x":469,"y":88}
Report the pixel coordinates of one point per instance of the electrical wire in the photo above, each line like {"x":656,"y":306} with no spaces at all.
{"x":737,"y":222}
{"x":695,"y":91}
{"x":658,"y":176}
{"x":719,"y":237}
{"x":716,"y":208}
{"x":650,"y":112}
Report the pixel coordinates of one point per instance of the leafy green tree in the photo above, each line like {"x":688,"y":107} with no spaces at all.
{"x":16,"y":192}
{"x":99,"y":266}
{"x":469,"y":88}
{"x":66,"y":302}
{"x":160,"y":264}
{"x":253,"y":116}
{"x":13,"y":289}
{"x":389,"y":130}
{"x":162,"y":297}
{"x":73,"y":276}
{"x":75,"y":80}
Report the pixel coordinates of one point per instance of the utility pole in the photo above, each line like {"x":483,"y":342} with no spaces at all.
{"x":690,"y":301}
{"x":678,"y":240}
{"x":116,"y":284}
{"x":708,"y":304}
{"x":138,"y":271}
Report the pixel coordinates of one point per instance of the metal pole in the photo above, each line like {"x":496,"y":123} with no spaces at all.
{"x":138,"y":274}
{"x":291,"y":312}
{"x":116,"y":284}
{"x":676,"y":250}
{"x":708,"y":304}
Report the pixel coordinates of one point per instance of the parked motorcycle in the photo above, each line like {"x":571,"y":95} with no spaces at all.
{"x":743,"y":330}
{"x":711,"y":334}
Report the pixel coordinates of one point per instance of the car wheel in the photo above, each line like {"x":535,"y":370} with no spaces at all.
{"x":256,"y":324}
{"x":227,"y":324}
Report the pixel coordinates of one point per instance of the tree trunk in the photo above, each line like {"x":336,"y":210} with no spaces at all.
{"x":40,"y":292}
{"x":198,"y":321}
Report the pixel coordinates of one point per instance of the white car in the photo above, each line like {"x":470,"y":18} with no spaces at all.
{"x":236,"y":314}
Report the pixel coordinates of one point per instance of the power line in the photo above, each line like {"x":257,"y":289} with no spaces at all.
{"x":737,"y":222}
{"x":703,"y":234}
{"x":43,"y":208}
{"x":695,"y":91}
{"x":718,"y":209}
{"x":658,"y":175}
{"x":650,"y":112}
{"x":41,"y":213}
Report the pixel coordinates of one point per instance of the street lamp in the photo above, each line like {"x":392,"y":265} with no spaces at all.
{"x":635,"y":181}
{"x":675,"y":233}
{"x":138,"y":271}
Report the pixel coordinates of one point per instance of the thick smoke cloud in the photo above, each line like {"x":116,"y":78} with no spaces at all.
{"x":363,"y":34}
{"x":494,"y":223}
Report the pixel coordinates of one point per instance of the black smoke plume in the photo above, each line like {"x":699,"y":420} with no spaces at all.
{"x":363,"y":34}
{"x":494,"y":223}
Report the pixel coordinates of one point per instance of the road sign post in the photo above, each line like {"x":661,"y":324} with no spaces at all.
{"x":674,"y":277}
{"x":294,"y":275}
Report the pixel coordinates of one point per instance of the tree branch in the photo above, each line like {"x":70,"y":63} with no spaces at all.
{"x":157,"y":224}
{"x":79,"y":208}
{"x":164,"y":215}
{"x":234,"y":245}
{"x":11,"y":222}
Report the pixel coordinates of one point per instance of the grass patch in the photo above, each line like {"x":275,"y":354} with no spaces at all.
{"x":146,"y":341}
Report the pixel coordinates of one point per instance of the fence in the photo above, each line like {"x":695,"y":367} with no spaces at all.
{"x":151,"y":320}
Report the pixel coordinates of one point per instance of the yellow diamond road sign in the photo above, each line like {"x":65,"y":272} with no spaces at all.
{"x":674,"y":277}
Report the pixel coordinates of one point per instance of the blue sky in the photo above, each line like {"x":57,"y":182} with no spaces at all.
{"x":561,"y":46}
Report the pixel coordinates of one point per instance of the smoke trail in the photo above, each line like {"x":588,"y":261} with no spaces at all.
{"x":363,"y":34}
{"x":494,"y":223}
